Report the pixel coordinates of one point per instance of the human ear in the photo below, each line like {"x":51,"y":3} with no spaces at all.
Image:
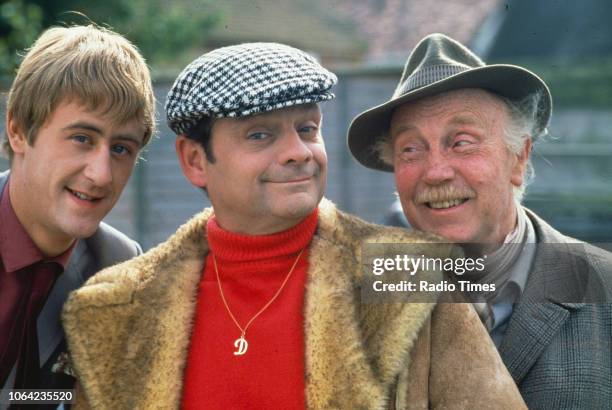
{"x":17,"y":138}
{"x":522,"y":158}
{"x":192,"y":159}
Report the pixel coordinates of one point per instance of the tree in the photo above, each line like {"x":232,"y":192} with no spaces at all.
{"x":164,"y":31}
{"x":20,"y":23}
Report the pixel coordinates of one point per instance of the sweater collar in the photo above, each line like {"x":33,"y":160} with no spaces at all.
{"x":234,"y":247}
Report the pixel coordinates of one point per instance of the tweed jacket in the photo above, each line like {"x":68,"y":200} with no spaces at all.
{"x":560,"y":352}
{"x":105,"y":248}
{"x":129,"y":330}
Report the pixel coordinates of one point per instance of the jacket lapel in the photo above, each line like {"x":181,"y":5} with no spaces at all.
{"x":3,"y":179}
{"x":531,"y":329}
{"x":48,"y":325}
{"x":550,"y":295}
{"x":338,"y":372}
{"x":88,"y":256}
{"x":353,"y":351}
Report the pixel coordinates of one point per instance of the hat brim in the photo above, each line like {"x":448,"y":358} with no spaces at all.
{"x":509,"y":81}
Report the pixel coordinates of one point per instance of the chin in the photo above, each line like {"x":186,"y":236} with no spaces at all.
{"x":452,"y":234}
{"x":461,"y":238}
{"x":82,"y":231}
{"x":295,"y":209}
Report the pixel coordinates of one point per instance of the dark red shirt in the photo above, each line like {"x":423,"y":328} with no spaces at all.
{"x":26,"y":278}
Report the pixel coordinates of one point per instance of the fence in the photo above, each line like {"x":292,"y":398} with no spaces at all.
{"x":572,"y":189}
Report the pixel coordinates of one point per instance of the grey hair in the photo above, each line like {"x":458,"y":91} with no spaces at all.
{"x":383,"y":148}
{"x":525,"y":115}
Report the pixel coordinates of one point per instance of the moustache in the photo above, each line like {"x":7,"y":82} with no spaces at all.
{"x":444,"y":193}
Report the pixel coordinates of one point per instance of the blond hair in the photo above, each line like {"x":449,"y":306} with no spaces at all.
{"x":89,"y":64}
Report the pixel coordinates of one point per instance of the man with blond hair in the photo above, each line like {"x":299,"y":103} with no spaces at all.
{"x":79,"y":110}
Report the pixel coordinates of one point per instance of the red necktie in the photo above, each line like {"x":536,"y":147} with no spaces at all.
{"x":43,"y":277}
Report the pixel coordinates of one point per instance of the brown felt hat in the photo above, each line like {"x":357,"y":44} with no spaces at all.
{"x":436,"y":65}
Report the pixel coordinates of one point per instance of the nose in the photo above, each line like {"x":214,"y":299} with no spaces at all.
{"x":438,"y":169}
{"x":294,"y":149}
{"x":99,"y":168}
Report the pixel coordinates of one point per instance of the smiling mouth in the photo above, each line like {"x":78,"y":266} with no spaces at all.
{"x":292,"y":181}
{"x":451,"y":203}
{"x":82,"y":196}
{"x":299,"y":180}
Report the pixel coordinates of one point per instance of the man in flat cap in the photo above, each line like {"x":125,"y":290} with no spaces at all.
{"x":458,"y":134}
{"x":79,"y":110}
{"x":255,"y":302}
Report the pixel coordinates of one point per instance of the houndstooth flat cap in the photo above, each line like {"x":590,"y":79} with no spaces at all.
{"x":246,"y":79}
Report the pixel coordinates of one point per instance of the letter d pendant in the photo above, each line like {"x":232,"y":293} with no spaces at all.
{"x":242,"y":345}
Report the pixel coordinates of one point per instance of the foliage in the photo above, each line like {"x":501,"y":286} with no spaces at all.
{"x":20,"y":24}
{"x":162,"y":30}
{"x":583,"y":83}
{"x":57,"y":12}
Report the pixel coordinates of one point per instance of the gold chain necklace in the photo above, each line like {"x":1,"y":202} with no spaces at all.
{"x":241,"y":343}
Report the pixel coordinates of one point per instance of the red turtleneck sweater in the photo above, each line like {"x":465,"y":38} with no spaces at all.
{"x":270,"y":375}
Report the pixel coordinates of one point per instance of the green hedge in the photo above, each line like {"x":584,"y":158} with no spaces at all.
{"x":586,"y":83}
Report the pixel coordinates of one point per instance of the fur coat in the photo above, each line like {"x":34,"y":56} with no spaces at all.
{"x":129,"y":330}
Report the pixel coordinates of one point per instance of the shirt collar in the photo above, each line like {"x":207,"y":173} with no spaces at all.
{"x":519,"y":271}
{"x":17,"y":250}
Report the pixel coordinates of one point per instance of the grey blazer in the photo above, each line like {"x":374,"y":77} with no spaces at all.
{"x":560,"y":352}
{"x":106,"y":247}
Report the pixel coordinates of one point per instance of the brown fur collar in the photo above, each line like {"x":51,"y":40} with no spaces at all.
{"x":129,"y":328}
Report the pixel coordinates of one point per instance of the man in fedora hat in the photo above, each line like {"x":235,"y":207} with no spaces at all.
{"x":254,"y":303}
{"x":457,"y":133}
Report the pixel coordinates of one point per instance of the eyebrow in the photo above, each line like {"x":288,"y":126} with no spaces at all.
{"x":90,"y":127}
{"x":83,"y":126}
{"x":128,"y":138}
{"x":461,"y":119}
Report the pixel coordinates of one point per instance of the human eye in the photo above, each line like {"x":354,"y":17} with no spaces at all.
{"x":121,"y":149}
{"x":257,"y":136}
{"x":463,"y":140}
{"x":81,"y":139}
{"x":409,"y":147}
{"x":409,"y":152}
{"x":307,"y":129}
